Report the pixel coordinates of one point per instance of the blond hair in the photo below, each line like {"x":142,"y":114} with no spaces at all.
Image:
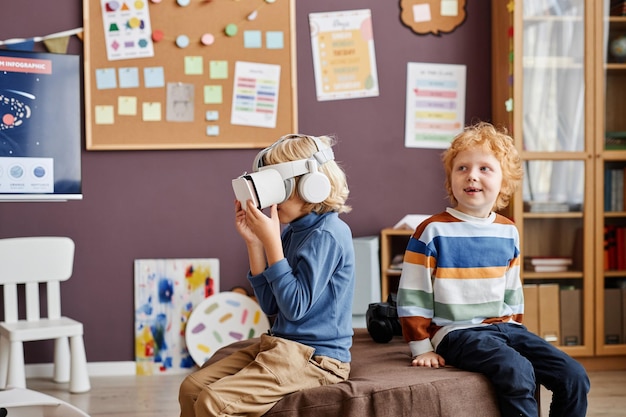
{"x":485,"y":136}
{"x":296,"y":146}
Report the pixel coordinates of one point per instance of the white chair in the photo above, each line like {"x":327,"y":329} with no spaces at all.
{"x":31,"y":261}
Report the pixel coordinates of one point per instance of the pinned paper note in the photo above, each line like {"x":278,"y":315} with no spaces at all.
{"x":274,"y":40}
{"x":218,"y":70}
{"x":127,"y":106}
{"x":104,"y":115}
{"x":151,"y":112}
{"x":154,"y":77}
{"x":252,"y":39}
{"x":212,"y":94}
{"x":129,"y":77}
{"x":105,"y":78}
{"x":179,"y":106}
{"x":194,"y":65}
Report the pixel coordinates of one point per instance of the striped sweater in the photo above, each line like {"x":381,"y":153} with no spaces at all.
{"x":459,"y":271}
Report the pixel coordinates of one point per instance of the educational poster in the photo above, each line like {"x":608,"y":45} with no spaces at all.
{"x":343,"y":55}
{"x":127,"y":31}
{"x":40,"y":126}
{"x":166,"y":292}
{"x":255,"y":94}
{"x":435,"y":104}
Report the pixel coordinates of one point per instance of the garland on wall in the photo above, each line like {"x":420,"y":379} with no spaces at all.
{"x":55,"y":43}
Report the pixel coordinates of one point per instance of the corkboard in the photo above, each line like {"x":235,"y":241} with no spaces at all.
{"x":117,"y":115}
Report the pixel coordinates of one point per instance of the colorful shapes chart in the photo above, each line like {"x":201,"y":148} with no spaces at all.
{"x":220,"y":320}
{"x":127,"y":29}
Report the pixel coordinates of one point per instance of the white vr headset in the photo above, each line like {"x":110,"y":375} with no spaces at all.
{"x":273,"y":184}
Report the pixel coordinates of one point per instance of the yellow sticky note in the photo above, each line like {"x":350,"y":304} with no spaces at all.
{"x":127,"y":106}
{"x":104,"y":115}
{"x":218,"y":69}
{"x":212,"y":94}
{"x":151,"y":111}
{"x":193,"y":65}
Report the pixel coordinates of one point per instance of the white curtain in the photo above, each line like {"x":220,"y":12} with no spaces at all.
{"x":554,"y":97}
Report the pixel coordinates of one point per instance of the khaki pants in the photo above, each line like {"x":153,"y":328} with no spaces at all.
{"x":250,"y":381}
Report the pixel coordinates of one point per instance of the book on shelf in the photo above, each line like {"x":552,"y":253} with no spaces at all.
{"x":551,"y":260}
{"x":549,"y":313}
{"x":614,"y":188}
{"x":615,"y":141}
{"x":548,"y":268}
{"x":613,"y":329}
{"x":531,"y":307}
{"x":614,"y":247}
{"x":549,"y":264}
{"x":571,"y":316}
{"x":546,"y":206}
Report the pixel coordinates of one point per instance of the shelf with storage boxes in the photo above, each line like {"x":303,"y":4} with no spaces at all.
{"x":559,"y":72}
{"x":554,"y":280}
{"x":543,"y":93}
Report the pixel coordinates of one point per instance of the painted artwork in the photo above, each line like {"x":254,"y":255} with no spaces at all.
{"x":166,"y":292}
{"x":220,"y":320}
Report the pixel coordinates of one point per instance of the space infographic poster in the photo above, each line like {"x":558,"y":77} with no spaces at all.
{"x":40,"y":125}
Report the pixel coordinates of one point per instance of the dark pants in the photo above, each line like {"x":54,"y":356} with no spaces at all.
{"x":515,"y":359}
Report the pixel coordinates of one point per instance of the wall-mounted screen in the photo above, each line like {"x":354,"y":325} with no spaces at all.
{"x":40,"y":126}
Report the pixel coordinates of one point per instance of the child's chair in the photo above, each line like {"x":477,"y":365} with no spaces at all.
{"x":29,"y":261}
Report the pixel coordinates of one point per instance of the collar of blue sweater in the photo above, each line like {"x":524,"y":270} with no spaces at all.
{"x":308,"y":220}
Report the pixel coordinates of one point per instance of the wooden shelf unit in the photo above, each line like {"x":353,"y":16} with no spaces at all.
{"x":392,"y":242}
{"x":522,"y":53}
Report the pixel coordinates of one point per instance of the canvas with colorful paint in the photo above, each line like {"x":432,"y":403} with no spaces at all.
{"x":220,"y":320}
{"x":166,"y":292}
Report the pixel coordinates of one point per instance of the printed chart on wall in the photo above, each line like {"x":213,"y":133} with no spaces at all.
{"x":188,"y":74}
{"x":343,"y":55}
{"x":435,"y":104}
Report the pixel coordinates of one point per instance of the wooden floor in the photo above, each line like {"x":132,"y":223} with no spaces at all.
{"x":156,"y":396}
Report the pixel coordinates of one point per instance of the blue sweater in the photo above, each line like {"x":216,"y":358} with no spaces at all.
{"x":310,"y":291}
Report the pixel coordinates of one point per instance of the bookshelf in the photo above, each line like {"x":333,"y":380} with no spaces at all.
{"x":393,"y":242}
{"x":549,"y":92}
{"x":610,"y":150}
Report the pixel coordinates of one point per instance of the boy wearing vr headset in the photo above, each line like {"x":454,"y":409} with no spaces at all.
{"x":302,"y":276}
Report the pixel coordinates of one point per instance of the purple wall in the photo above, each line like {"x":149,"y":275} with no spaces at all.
{"x":179,"y":204}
